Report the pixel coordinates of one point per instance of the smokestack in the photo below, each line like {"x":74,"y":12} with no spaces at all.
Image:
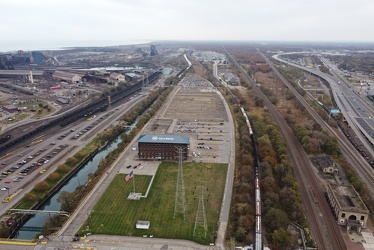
{"x":31,"y":78}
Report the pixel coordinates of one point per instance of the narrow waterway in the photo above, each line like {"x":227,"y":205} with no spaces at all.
{"x":80,"y":178}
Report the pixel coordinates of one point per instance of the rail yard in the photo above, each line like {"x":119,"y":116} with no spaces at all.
{"x":218,"y":99}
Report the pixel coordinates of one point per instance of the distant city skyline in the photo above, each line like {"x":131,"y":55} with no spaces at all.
{"x":110,"y":22}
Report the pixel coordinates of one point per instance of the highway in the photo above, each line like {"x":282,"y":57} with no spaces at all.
{"x":356,"y":111}
{"x":358,"y":163}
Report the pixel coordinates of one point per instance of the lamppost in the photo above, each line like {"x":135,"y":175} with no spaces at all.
{"x":89,"y":220}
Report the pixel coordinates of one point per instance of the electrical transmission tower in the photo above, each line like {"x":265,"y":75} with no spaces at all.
{"x":180,"y":195}
{"x":200,"y":221}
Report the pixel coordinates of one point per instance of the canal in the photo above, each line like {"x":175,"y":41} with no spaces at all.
{"x":80,"y":178}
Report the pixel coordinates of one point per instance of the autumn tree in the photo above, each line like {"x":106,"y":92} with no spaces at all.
{"x":41,"y":186}
{"x":66,"y":199}
{"x":63,"y":168}
{"x":53,"y":176}
{"x":30,"y":197}
{"x":72,"y":160}
{"x":276,"y":218}
{"x":280,"y":238}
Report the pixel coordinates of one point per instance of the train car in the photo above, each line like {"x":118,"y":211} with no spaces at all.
{"x":258,"y":224}
{"x":258,"y":242}
{"x":258,"y":196}
{"x":258,"y":208}
{"x":257,"y":183}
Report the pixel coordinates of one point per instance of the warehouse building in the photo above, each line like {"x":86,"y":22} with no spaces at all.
{"x":348,"y":207}
{"x":163,"y":147}
{"x":26,"y":75}
{"x":118,"y":77}
{"x":67,"y":77}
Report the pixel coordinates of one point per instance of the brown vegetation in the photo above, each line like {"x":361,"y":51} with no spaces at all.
{"x":41,"y":186}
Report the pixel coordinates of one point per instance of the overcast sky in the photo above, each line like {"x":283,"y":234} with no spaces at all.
{"x":120,"y":21}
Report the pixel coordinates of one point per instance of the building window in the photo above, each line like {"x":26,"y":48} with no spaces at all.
{"x":343,"y":215}
{"x":362,"y":217}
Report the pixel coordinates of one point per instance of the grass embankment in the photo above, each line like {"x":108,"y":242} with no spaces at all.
{"x":42,"y":188}
{"x":116,"y":215}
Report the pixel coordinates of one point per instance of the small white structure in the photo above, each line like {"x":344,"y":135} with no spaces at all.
{"x":142,"y":224}
{"x":167,"y":71}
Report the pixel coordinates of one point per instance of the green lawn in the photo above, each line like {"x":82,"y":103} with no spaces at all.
{"x":115,"y":215}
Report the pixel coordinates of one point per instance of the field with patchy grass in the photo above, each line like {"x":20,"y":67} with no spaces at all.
{"x":114,"y":214}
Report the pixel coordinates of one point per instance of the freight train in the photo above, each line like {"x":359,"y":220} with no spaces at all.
{"x":258,"y":230}
{"x":98,"y":106}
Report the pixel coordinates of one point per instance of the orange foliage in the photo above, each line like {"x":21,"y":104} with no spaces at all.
{"x":271,"y":160}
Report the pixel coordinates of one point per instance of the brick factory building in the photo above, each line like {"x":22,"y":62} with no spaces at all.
{"x":165,"y":147}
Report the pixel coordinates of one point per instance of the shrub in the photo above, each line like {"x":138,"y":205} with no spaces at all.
{"x":30,"y":197}
{"x":53,"y":176}
{"x":41,"y":186}
{"x":80,"y":154}
{"x":63,"y":168}
{"x":72,"y":160}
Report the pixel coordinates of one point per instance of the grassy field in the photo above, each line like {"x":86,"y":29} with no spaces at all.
{"x":115,"y":215}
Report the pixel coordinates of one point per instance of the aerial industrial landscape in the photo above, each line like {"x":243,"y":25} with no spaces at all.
{"x":188,"y":145}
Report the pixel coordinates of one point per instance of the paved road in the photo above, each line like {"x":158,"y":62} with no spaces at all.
{"x":82,"y":213}
{"x":350,"y":104}
{"x":226,"y":202}
{"x":27,"y":184}
{"x":359,"y":164}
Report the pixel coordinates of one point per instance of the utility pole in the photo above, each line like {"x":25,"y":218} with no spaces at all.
{"x":200,"y":220}
{"x":180,"y":195}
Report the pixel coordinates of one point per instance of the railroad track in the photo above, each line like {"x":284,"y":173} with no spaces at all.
{"x":362,"y":168}
{"x":324,"y":228}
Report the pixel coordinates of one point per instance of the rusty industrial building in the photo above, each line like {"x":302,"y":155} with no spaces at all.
{"x":348,"y":207}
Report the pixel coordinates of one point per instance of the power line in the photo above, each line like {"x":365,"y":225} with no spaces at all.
{"x":180,"y":195}
{"x":200,"y":221}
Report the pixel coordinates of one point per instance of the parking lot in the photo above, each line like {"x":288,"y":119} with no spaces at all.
{"x":196,"y":111}
{"x":28,"y":167}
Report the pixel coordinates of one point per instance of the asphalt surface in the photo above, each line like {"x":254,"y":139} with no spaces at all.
{"x":63,"y":239}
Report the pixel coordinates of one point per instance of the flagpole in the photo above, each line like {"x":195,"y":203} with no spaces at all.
{"x":133,"y":177}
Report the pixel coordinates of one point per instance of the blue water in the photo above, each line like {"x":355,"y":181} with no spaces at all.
{"x":30,"y":45}
{"x":80,"y":178}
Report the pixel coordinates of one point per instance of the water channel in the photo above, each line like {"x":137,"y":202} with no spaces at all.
{"x":80,"y":178}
